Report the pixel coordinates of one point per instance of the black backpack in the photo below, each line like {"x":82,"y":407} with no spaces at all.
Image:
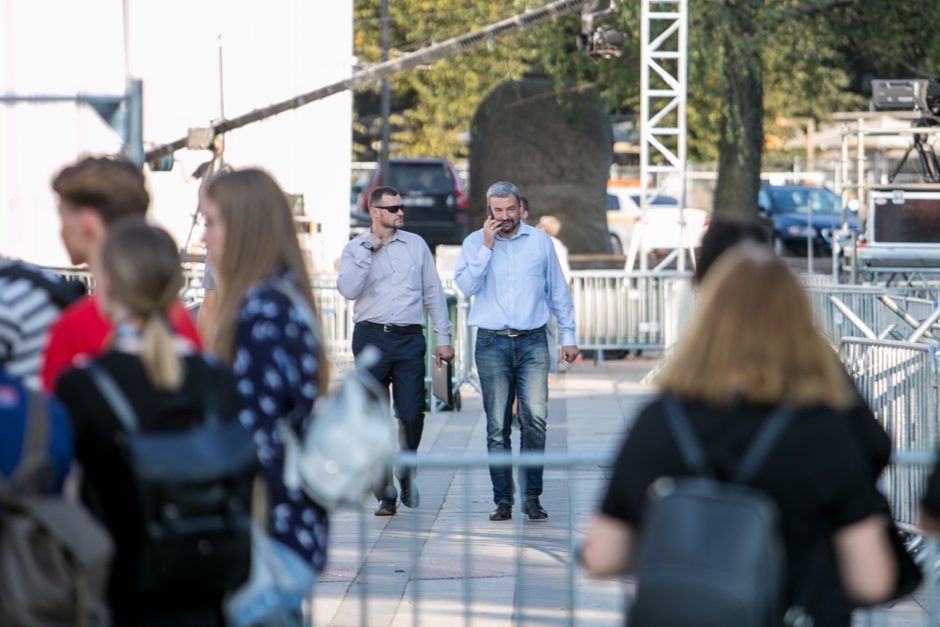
{"x":193,"y":489}
{"x":710,"y":553}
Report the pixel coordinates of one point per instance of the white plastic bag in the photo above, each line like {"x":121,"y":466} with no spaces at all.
{"x":349,"y":444}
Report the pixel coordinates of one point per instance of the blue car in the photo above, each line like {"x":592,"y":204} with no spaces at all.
{"x":787,"y":207}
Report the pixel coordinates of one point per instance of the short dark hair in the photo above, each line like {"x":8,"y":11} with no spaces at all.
{"x":383,"y":190}
{"x":112,"y":187}
{"x":523,"y":203}
{"x":724,"y":232}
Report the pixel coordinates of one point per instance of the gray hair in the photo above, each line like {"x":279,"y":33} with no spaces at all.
{"x":502,"y":189}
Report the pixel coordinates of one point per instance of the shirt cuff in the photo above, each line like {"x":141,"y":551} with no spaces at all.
{"x":484,"y":253}
{"x":568,"y":339}
{"x":362,"y":257}
{"x":443,"y":340}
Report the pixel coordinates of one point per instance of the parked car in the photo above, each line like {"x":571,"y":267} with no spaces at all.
{"x":435,"y":201}
{"x":794,"y":208}
{"x":661,"y":229}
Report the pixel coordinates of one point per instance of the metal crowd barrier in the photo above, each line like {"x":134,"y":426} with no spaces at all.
{"x":898,"y":381}
{"x":862,"y":300}
{"x":617,"y":310}
{"x":336,"y":318}
{"x":442,"y":563}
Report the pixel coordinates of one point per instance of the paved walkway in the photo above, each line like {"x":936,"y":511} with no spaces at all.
{"x":519,"y":570}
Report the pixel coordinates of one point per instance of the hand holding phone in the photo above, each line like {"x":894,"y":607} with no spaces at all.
{"x":490,"y":227}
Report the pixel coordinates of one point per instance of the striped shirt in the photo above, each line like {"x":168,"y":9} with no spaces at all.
{"x":31,"y":299}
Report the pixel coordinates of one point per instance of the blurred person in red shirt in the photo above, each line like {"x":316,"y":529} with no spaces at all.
{"x":94,"y":194}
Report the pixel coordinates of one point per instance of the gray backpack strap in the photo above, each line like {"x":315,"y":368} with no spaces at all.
{"x":689,"y":448}
{"x":763,"y":443}
{"x":113,"y":396}
{"x":33,"y":474}
{"x":300,"y":303}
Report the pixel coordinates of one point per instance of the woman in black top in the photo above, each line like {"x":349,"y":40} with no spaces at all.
{"x":139,"y":278}
{"x":750,"y":350}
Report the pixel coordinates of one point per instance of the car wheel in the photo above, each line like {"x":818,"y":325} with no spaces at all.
{"x":615,"y":246}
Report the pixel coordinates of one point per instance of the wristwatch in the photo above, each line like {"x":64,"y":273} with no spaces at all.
{"x":368,"y":245}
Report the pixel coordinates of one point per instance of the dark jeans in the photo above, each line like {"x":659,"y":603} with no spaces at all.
{"x":402,"y":366}
{"x":512,"y":367}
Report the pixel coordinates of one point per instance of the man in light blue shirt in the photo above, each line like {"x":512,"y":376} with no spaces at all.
{"x":513,"y":274}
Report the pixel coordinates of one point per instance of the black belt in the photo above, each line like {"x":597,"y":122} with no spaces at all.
{"x":402,"y":329}
{"x":513,"y":332}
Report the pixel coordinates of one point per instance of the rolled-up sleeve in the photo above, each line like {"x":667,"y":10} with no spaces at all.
{"x":354,"y":267}
{"x":434,"y":299}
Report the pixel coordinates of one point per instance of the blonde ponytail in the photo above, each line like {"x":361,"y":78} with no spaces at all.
{"x":163,"y":365}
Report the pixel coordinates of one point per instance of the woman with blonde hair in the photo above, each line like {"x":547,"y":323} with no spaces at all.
{"x":164,"y":384}
{"x":751,"y":350}
{"x":277,"y":358}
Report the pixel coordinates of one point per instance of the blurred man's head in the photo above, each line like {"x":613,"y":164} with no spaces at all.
{"x":550,"y":224}
{"x":94,"y":193}
{"x":524,"y":209}
{"x":724,"y":232}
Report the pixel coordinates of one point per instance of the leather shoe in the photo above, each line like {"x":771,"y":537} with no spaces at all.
{"x":386,"y":508}
{"x":503,"y":511}
{"x":409,"y":492}
{"x":534,"y":510}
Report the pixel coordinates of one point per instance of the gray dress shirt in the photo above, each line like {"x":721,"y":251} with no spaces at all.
{"x":395,"y":284}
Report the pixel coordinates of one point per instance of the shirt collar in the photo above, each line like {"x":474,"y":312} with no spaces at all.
{"x":524,"y":229}
{"x":395,"y":237}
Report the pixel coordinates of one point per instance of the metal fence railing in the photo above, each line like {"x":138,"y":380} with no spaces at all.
{"x":336,"y":318}
{"x":898,"y":381}
{"x":438,"y":564}
{"x":617,"y":310}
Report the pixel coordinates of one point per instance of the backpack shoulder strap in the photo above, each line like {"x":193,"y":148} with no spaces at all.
{"x":765,"y":440}
{"x":689,"y":448}
{"x":113,"y":396}
{"x":32,"y":473}
{"x":297,"y":299}
{"x":212,"y":398}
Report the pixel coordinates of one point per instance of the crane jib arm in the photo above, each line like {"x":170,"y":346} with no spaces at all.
{"x":379,"y":71}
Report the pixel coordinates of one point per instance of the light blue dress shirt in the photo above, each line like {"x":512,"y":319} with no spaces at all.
{"x":515,"y":283}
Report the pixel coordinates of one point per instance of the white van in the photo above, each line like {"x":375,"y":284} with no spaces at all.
{"x":661,"y":227}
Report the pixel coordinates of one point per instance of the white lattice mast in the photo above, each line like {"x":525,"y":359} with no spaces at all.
{"x":663,"y":89}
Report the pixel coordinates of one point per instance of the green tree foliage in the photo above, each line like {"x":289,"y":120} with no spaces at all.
{"x":438,"y":102}
{"x":753,"y":65}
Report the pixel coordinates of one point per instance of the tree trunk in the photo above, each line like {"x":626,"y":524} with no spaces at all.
{"x":742,"y":131}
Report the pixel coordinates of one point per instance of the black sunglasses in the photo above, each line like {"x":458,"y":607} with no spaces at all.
{"x":392,"y":208}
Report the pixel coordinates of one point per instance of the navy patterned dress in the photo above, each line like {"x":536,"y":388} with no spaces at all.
{"x":275,"y":368}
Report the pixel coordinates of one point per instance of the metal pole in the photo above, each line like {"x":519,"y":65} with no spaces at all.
{"x":860,"y":165}
{"x":221,"y":79}
{"x":134,"y":148}
{"x":682,"y":74}
{"x":844,"y":177}
{"x":386,"y":94}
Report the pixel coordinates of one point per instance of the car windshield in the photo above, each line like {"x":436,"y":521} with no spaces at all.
{"x":789,"y":200}
{"x":429,"y":178}
{"x":658,"y":201}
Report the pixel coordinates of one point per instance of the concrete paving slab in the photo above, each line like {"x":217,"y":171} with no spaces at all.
{"x":519,"y":571}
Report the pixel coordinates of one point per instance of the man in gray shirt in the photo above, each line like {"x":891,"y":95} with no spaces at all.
{"x":391,"y":275}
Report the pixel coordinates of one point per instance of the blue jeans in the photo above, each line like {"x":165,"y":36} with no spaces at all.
{"x":514,"y":367}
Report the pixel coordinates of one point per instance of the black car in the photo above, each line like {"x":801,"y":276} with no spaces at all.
{"x":435,"y":201}
{"x":789,"y":206}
